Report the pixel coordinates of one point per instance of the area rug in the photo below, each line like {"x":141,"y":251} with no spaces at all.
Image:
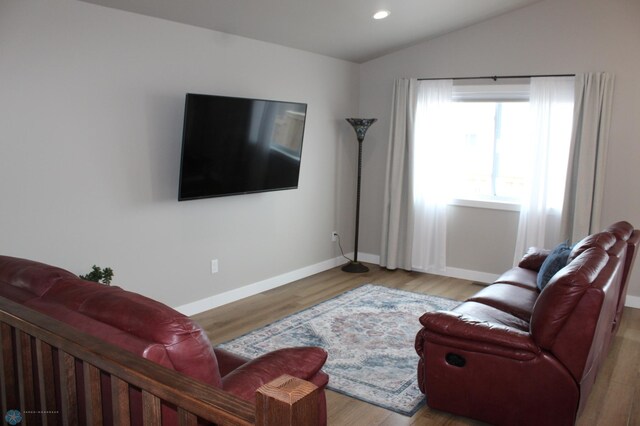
{"x":369,"y":333}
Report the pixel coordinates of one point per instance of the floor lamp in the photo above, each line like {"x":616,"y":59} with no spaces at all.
{"x":360,"y":125}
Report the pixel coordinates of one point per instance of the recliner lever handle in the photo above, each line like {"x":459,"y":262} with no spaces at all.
{"x":455,"y":360}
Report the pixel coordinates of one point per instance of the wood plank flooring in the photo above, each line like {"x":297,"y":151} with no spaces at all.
{"x":614,"y":400}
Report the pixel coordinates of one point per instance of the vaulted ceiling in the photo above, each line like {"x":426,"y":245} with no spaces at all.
{"x":341,"y":29}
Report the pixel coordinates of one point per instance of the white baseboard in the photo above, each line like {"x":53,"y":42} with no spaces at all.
{"x":366,"y":257}
{"x":466,"y":274}
{"x":255,"y":288}
{"x":632,"y":302}
{"x":280,"y":280}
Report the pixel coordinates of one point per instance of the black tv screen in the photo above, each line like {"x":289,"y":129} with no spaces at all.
{"x":236,"y":146}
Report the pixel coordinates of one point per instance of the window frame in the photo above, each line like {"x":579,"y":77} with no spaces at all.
{"x":491,"y":92}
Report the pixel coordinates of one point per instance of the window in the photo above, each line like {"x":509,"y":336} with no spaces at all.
{"x":484,"y":141}
{"x":490,"y":144}
{"x":489,"y":138}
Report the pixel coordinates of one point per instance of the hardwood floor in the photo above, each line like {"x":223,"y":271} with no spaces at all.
{"x":614,"y":400}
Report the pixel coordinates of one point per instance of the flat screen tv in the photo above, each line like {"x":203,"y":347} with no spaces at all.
{"x":236,"y":146}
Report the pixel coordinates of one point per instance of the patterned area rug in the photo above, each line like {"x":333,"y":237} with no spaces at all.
{"x":369,"y":333}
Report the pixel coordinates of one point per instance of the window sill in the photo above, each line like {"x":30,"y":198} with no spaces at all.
{"x":485,"y":204}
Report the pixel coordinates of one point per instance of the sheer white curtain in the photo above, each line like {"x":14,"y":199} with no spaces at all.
{"x":551,"y":102}
{"x":430,"y":174}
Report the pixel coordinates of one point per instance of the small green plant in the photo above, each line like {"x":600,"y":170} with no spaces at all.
{"x":99,"y":275}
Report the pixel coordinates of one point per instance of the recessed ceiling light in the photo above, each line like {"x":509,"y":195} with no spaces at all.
{"x":381,"y":14}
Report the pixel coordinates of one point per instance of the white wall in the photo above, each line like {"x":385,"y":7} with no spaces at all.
{"x":552,"y":36}
{"x":91,"y":109}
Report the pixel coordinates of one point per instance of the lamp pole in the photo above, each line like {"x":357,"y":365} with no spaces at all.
{"x":360,"y":125}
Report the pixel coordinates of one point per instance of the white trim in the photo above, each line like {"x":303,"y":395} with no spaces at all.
{"x":368,"y":258}
{"x":491,"y":92}
{"x":486,"y":204}
{"x":463,"y":274}
{"x":252,"y":289}
{"x":255,"y":288}
{"x":466,"y":274}
{"x":632,"y":302}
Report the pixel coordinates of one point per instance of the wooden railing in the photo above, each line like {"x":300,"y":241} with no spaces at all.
{"x":54,"y":375}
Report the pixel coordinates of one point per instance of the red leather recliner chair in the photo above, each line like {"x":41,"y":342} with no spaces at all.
{"x":154,"y":331}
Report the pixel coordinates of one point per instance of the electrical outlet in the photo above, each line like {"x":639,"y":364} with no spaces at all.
{"x":334,"y":236}
{"x":214,"y":266}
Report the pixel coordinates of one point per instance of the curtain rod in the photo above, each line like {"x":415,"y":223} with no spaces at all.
{"x":496,"y":77}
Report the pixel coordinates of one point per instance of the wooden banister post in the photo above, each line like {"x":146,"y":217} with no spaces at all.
{"x":287,"y":401}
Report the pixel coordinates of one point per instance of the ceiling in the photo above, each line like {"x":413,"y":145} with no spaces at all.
{"x":341,"y":29}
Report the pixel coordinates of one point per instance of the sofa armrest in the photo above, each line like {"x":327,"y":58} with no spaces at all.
{"x":534,"y":258}
{"x":302,"y":362}
{"x":466,"y":333}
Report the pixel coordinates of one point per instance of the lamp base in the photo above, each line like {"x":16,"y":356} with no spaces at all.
{"x":355,"y":267}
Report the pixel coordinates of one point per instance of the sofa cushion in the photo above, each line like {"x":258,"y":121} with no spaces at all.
{"x":515,"y":300}
{"x":622,"y":230}
{"x":150,"y":350}
{"x":29,"y":279}
{"x":72,"y":292}
{"x":488,"y":314}
{"x":556,"y":304}
{"x":604,"y":240}
{"x":477,"y":328}
{"x":16,"y":294}
{"x":521,"y":277}
{"x":555,"y":261}
{"x":534,"y":258}
{"x":187,"y":346}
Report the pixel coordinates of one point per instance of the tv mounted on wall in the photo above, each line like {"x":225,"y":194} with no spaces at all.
{"x":236,"y":146}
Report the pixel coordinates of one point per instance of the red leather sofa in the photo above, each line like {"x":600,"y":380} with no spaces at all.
{"x":512,"y":354}
{"x":154,"y":331}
